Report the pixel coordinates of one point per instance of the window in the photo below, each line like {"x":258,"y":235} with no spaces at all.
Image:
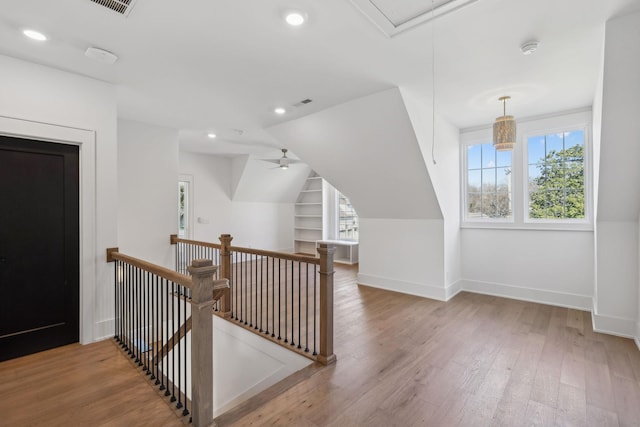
{"x":556,"y":175}
{"x":184,"y":224}
{"x":544,"y":183}
{"x":347,"y":219}
{"x":488,"y":183}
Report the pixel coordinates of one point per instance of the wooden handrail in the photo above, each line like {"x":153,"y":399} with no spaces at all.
{"x":274,"y":254}
{"x":174,"y":239}
{"x":175,"y":277}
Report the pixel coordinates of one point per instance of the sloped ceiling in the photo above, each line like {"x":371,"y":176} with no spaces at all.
{"x":618,"y":198}
{"x":367,"y":149}
{"x":254,"y":180}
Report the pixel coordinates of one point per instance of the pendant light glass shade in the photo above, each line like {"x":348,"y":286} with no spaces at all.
{"x":504,"y":129}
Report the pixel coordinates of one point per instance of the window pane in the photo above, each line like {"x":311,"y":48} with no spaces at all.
{"x":574,"y":204}
{"x":503,"y":158}
{"x":489,"y":180}
{"x":574,"y":176}
{"x":474,"y":205}
{"x":504,"y":204}
{"x":555,"y":203}
{"x":489,"y":205}
{"x":473,"y":157}
{"x":504,"y":179}
{"x":488,"y":156}
{"x":474,"y":181}
{"x":555,"y":143}
{"x":535,"y":147}
{"x":574,"y":138}
{"x":537,"y":204}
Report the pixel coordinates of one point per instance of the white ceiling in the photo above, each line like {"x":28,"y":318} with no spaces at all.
{"x":223,"y":66}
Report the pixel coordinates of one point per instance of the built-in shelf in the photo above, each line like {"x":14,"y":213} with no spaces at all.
{"x":308,"y":214}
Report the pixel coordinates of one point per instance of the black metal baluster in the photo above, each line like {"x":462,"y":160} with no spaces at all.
{"x":173,"y":342}
{"x":139,"y":356}
{"x":315,"y":311}
{"x":145,"y":352}
{"x":166,"y":344}
{"x":286,"y":301}
{"x":185,"y":412}
{"x":306,"y":316}
{"x":299,"y":303}
{"x":115,"y":302}
{"x":136,"y":312}
{"x":154,"y":334}
{"x":245,"y":281}
{"x":177,"y":332}
{"x":163,"y":312}
{"x":127,"y":309}
{"x":260,"y":307}
{"x":234,"y":282}
{"x":267,"y":286}
{"x":279,"y":299}
{"x":293,"y":325}
{"x":273,"y":297}
{"x":254,"y":284}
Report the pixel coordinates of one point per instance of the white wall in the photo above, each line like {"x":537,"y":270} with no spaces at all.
{"x":404,"y":255}
{"x":536,"y":265}
{"x":444,"y":173}
{"x":39,"y":94}
{"x":615,"y":308}
{"x":148,"y":191}
{"x":263,"y":225}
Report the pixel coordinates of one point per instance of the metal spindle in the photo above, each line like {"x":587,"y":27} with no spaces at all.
{"x":154,"y":335}
{"x":267,"y":316}
{"x":177,"y":332}
{"x":166,"y":342}
{"x":273,"y":297}
{"x":260,"y":307}
{"x":299,"y":302}
{"x":244,"y":281}
{"x":173,"y":343}
{"x":185,"y":412}
{"x":315,"y":311}
{"x":144,"y":350}
{"x":293,"y":327}
{"x":306,"y":316}
{"x":280,"y":299}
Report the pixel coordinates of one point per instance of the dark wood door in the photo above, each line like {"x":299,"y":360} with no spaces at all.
{"x":39,"y":246}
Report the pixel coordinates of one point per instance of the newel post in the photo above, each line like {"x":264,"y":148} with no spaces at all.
{"x":225,"y":271}
{"x":326,"y":355}
{"x":202,"y":271}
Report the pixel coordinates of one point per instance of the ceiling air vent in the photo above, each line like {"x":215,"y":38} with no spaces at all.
{"x":303,"y":102}
{"x":123,"y":7}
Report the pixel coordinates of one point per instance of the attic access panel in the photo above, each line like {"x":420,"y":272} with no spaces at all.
{"x":395,"y":16}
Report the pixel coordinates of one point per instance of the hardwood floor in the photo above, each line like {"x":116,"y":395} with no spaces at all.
{"x":402,"y":361}
{"x":75,"y":385}
{"x":476,"y":360}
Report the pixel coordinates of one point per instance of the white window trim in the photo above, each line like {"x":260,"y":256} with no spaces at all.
{"x":581,"y":120}
{"x":481,"y":222}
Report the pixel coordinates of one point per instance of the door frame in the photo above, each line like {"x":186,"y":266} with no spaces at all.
{"x":85,"y":140}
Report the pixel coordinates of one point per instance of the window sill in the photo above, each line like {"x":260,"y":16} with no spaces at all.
{"x":528,"y":226}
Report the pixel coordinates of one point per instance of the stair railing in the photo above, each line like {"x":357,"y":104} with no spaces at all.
{"x":287,"y":298}
{"x":163,"y":321}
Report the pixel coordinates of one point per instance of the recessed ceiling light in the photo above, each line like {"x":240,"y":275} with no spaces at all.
{"x":294,"y":18}
{"x":279,"y":110}
{"x":211,"y":135}
{"x":35,"y":35}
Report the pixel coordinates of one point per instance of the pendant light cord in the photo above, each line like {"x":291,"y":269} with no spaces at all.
{"x":433,"y":83}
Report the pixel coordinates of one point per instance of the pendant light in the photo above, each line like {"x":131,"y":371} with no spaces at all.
{"x":504,"y":129}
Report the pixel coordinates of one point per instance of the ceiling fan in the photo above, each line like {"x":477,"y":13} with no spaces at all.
{"x":283,"y":162}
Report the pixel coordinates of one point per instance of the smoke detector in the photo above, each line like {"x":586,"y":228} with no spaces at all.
{"x":101,"y":55}
{"x":529,"y":47}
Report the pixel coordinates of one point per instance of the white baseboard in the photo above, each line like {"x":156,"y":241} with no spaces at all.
{"x":542,"y":296}
{"x":411,"y":288}
{"x":614,"y":325}
{"x":103,"y":330}
{"x":453,"y":289}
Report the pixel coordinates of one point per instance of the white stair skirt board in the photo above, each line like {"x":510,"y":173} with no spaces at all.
{"x":244,"y":364}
